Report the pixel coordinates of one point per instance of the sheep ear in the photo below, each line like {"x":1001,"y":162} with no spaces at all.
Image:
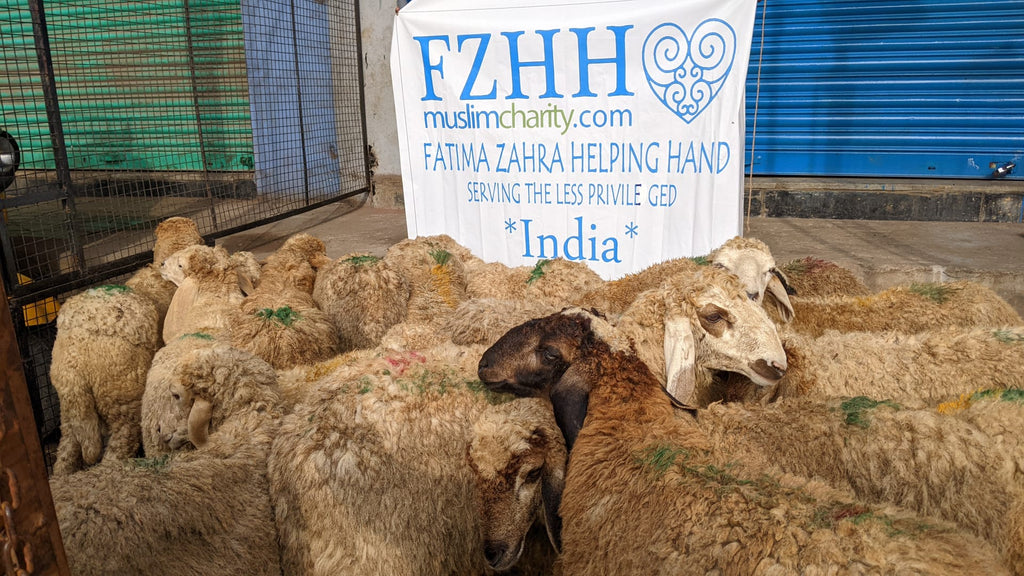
{"x":778,"y":291}
{"x":680,"y":359}
{"x":199,"y":422}
{"x":552,"y":486}
{"x":551,"y":494}
{"x":569,"y":399}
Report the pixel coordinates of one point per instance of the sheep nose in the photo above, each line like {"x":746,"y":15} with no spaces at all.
{"x":771,"y":371}
{"x":494,"y":552}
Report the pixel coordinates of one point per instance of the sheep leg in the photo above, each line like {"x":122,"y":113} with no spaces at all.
{"x":69,"y":455}
{"x":125,"y":433}
{"x":80,"y":426}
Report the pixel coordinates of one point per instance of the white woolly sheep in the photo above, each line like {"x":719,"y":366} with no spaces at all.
{"x":961,"y":464}
{"x":247,"y":269}
{"x":647,"y":491}
{"x":364,"y":296}
{"x":163,"y":430}
{"x":279,"y":321}
{"x":709,"y":316}
{"x":905,"y":309}
{"x":292,"y":268}
{"x":198,"y":512}
{"x":208,"y":291}
{"x":172,"y":235}
{"x":106,"y":338}
{"x":484,"y":320}
{"x":370,"y":475}
{"x":748,"y":258}
{"x":436,"y":277}
{"x":557,"y":282}
{"x":931,"y":365}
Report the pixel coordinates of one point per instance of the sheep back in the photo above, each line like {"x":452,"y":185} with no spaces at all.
{"x":484,"y":320}
{"x":615,"y":296}
{"x":369,"y":476}
{"x":938,"y":464}
{"x":906,"y":309}
{"x":436,"y":277}
{"x":930,"y":365}
{"x":174,"y":234}
{"x":283,"y":332}
{"x":811,"y":276}
{"x":363,"y":296}
{"x":181,"y":515}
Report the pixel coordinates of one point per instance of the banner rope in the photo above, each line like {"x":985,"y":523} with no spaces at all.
{"x":753,"y":134}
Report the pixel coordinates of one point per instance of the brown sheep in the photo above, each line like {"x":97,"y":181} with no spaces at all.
{"x":647,"y":491}
{"x":809,"y":277}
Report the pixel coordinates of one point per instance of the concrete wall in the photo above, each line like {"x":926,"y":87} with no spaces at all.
{"x":376,"y":20}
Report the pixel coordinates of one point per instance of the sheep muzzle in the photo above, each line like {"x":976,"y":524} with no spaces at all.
{"x":500,"y":556}
{"x":770,"y":372}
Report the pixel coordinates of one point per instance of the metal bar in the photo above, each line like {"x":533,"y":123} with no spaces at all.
{"x":196,"y":110}
{"x":60,"y":153}
{"x":298,"y":90}
{"x":362,"y":94}
{"x":41,"y":289}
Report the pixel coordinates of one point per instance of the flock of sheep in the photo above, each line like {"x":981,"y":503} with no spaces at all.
{"x":431,"y":413}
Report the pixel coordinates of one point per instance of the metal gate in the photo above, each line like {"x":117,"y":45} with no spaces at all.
{"x":887,"y":88}
{"x":115,"y":115}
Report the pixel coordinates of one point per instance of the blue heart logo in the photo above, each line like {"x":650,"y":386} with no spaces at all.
{"x":686,"y":73}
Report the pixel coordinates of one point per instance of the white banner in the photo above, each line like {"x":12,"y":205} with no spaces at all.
{"x":610,"y":132}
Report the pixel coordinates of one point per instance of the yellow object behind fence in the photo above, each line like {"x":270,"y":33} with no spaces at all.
{"x":39,"y":312}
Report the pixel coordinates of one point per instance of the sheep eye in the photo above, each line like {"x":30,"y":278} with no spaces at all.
{"x":533,"y":475}
{"x":551,"y":354}
{"x":175,"y":396}
{"x":713,"y":318}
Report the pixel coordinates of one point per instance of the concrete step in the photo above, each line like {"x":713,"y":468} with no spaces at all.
{"x":887,"y":199}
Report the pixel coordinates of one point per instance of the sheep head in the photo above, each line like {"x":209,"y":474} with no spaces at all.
{"x":174,"y":234}
{"x":531,"y":359}
{"x":212,"y":383}
{"x":198,"y":261}
{"x":752,"y":262}
{"x":518,"y":459}
{"x":710,"y":323}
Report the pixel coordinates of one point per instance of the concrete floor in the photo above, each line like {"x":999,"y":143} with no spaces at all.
{"x":883,"y":253}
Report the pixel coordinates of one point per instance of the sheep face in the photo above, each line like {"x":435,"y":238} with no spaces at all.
{"x":194,"y":411}
{"x":517,"y":457}
{"x":716,"y":326}
{"x":751,"y":261}
{"x":174,"y":234}
{"x":172,"y":425}
{"x":193,"y":261}
{"x":529,"y":358}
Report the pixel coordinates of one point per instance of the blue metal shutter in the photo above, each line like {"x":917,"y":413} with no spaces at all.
{"x":886,"y":88}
